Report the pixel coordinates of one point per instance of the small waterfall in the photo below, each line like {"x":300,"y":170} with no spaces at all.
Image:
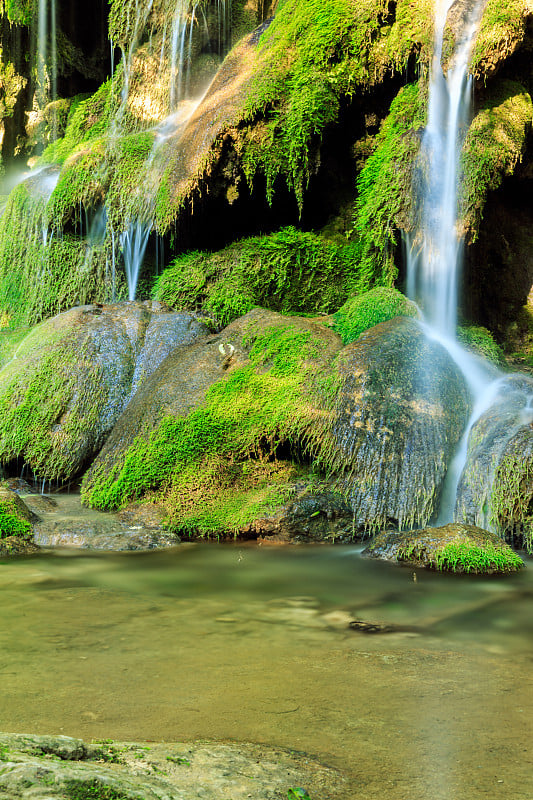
{"x":46,"y":57}
{"x":434,"y":253}
{"x":133,"y":243}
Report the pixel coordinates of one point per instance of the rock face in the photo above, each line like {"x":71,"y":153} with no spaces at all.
{"x":399,"y":413}
{"x":453,"y":548}
{"x":47,"y":767}
{"x":72,"y":376}
{"x":496,"y":486}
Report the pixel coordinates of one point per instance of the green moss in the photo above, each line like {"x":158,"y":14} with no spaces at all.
{"x":512,"y":496}
{"x":10,"y":339}
{"x":287,"y":271}
{"x":493,"y":147}
{"x":89,"y":118}
{"x":502,"y":29}
{"x":19,"y":12}
{"x":314,"y":53}
{"x":203,"y":459}
{"x":39,"y":390}
{"x":12,"y":523}
{"x":40,"y":278}
{"x":94,"y":790}
{"x":471,"y":558}
{"x":481,"y":341}
{"x":385,"y":197}
{"x":370,"y":308}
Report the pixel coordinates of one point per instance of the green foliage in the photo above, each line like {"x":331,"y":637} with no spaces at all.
{"x":298,"y":794}
{"x":201,"y":460}
{"x":481,"y":341}
{"x":11,"y":522}
{"x":502,"y":29}
{"x":493,"y":147}
{"x":19,"y":12}
{"x":94,"y":790}
{"x":363,"y":312}
{"x":384,"y":186}
{"x":314,"y":53}
{"x":287,"y":271}
{"x":471,"y":558}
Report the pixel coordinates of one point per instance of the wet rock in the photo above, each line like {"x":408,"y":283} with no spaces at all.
{"x":46,"y":767}
{"x":69,"y":524}
{"x":454,"y":547}
{"x":182,"y":380}
{"x":495,"y":486}
{"x":74,"y":374}
{"x":312,"y":516}
{"x":400,"y":411}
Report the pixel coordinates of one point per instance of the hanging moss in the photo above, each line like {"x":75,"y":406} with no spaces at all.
{"x":314,"y":53}
{"x":371,"y":308}
{"x":287,"y":271}
{"x":384,"y":202}
{"x":19,"y":12}
{"x":493,"y":147}
{"x":502,"y":30}
{"x":41,"y":272}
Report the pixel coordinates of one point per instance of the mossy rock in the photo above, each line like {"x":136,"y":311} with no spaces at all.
{"x":496,"y":486}
{"x":16,"y":528}
{"x":400,"y":410}
{"x":450,"y":548}
{"x":206,"y":427}
{"x":289,"y":271}
{"x":72,"y":376}
{"x":377,"y":305}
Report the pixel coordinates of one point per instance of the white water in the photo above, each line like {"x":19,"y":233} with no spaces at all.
{"x":46,"y":56}
{"x":435,"y":251}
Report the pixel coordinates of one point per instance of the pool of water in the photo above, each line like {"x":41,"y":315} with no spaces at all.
{"x":247,"y":643}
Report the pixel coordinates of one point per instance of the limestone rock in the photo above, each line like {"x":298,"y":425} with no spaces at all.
{"x":48,"y":767}
{"x":399,"y":414}
{"x":72,"y":375}
{"x":16,"y":530}
{"x":453,"y":547}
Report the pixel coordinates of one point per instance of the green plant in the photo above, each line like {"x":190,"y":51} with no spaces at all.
{"x":378,"y":305}
{"x":298,"y":794}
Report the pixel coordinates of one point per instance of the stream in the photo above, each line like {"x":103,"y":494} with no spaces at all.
{"x":247,"y":643}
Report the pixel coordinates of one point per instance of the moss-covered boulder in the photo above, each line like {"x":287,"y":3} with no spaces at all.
{"x":450,"y":548}
{"x":70,"y":378}
{"x":16,"y":528}
{"x":496,"y":486}
{"x":217,"y":428}
{"x":398,"y":415}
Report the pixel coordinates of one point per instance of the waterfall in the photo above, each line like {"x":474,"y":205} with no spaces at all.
{"x":46,"y":56}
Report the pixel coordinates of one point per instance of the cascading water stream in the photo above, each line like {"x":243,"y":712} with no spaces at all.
{"x":435,"y":250}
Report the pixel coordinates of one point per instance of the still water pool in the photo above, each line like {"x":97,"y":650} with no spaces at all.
{"x":252,"y":644}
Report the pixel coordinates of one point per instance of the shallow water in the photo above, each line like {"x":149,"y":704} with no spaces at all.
{"x":248,"y":643}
